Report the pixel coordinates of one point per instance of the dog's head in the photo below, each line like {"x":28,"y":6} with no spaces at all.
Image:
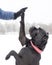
{"x":39,"y":37}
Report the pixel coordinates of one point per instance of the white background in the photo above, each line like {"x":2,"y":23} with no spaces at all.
{"x":39,"y":11}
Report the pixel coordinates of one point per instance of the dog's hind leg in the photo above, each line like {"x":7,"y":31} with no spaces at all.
{"x":12,"y":53}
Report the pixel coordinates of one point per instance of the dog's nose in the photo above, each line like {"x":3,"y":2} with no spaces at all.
{"x":47,"y":33}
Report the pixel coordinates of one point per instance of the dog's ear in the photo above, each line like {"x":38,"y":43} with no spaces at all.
{"x":33,"y":31}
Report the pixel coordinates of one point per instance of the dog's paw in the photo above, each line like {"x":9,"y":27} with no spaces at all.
{"x":23,"y":9}
{"x":7,"y":57}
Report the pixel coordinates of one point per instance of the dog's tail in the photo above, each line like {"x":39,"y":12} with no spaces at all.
{"x":12,"y":53}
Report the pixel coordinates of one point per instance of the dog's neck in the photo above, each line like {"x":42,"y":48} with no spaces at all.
{"x":36,"y":48}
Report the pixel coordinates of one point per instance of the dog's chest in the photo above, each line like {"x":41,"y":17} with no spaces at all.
{"x":28,"y":56}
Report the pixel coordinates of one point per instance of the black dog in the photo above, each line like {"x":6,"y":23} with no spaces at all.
{"x":31,"y":54}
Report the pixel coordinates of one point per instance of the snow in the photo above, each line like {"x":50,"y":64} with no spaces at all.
{"x":10,"y":41}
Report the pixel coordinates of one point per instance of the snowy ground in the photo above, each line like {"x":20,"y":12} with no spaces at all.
{"x":10,"y":41}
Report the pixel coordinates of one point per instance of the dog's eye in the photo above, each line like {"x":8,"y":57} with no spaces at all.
{"x":36,"y":34}
{"x":45,"y":38}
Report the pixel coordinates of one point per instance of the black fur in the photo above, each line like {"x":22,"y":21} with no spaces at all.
{"x":17,"y":14}
{"x":27,"y":55}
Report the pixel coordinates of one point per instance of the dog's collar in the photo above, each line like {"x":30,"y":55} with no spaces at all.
{"x":36,"y":48}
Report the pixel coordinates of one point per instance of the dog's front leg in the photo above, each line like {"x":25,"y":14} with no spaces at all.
{"x":12,"y":53}
{"x":22,"y":36}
